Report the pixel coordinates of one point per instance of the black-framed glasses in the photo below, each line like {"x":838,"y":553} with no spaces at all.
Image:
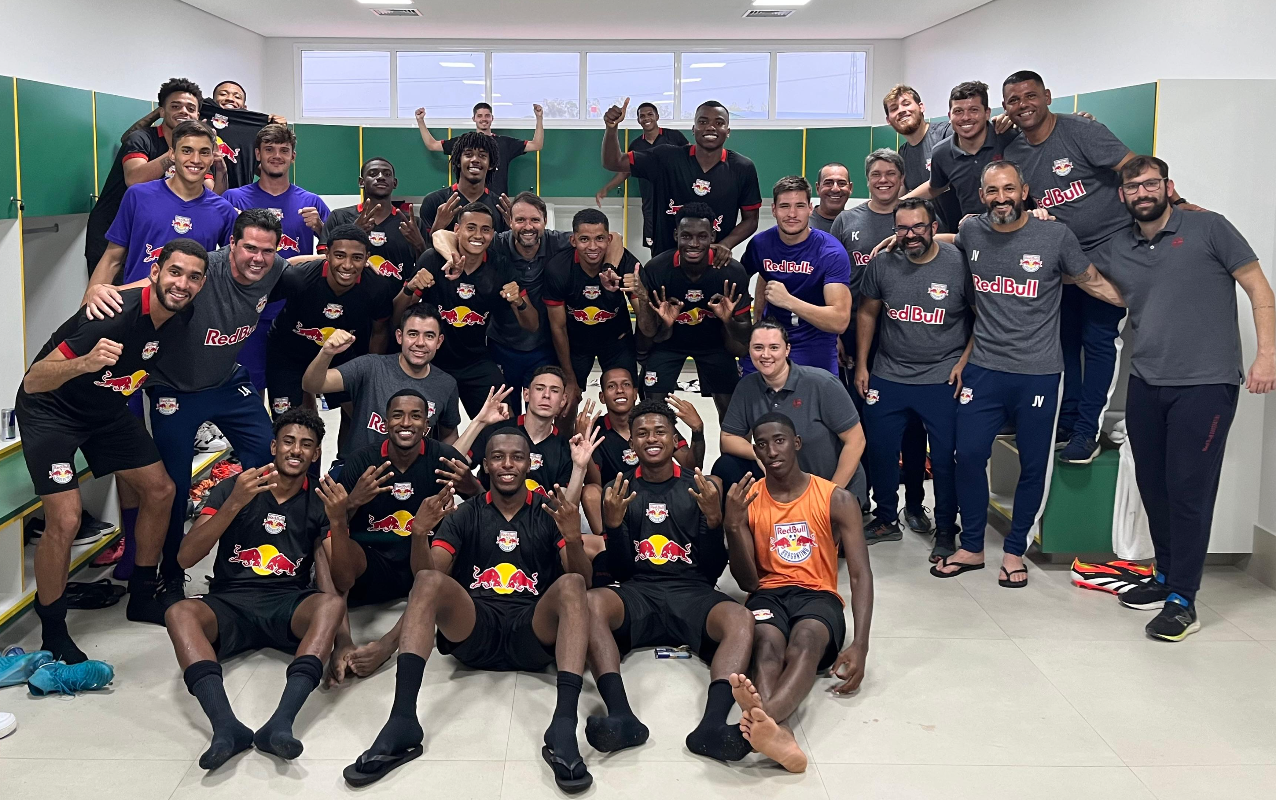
{"x":1149,"y":185}
{"x":916,"y":230}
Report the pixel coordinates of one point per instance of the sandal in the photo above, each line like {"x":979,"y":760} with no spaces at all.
{"x":1009,"y":584}
{"x":962,"y":567}
{"x":565,"y":775}
{"x":369,"y":769}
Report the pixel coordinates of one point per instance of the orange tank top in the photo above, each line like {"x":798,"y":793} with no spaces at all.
{"x":794,"y":541}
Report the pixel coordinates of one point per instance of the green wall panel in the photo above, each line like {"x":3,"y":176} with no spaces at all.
{"x":8,"y":152}
{"x":522,"y":172}
{"x":419,"y":171}
{"x":776,"y":153}
{"x":327,"y":158}
{"x":1129,"y":112}
{"x":881,"y":136}
{"x":55,"y":126}
{"x":114,"y":115}
{"x":848,"y":146}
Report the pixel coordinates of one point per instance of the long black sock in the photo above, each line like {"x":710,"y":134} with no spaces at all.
{"x":561,"y":734}
{"x":230,"y":736}
{"x":53,"y":633}
{"x":143,"y":603}
{"x":304,"y":674}
{"x":402,"y":730}
{"x":713,"y":737}
{"x":620,"y":728}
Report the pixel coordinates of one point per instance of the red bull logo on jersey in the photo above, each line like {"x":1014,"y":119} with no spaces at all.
{"x":790,"y":267}
{"x":375,"y":423}
{"x":227,"y":152}
{"x":694,"y":295}
{"x":762,"y":614}
{"x":591,"y":315}
{"x":462,"y":316}
{"x":279,"y":215}
{"x":61,"y":472}
{"x":220,"y":121}
{"x":592,"y":292}
{"x":182,"y":225}
{"x":1056,"y":196}
{"x":465,"y":290}
{"x":792,"y":541}
{"x":1030,"y":263}
{"x":938,"y":291}
{"x":1003,"y":285}
{"x":659,"y":550}
{"x":629,"y":457}
{"x":166,"y":405}
{"x":692,"y":316}
{"x":701,"y":187}
{"x":124,"y":384}
{"x":152,"y":254}
{"x":429,"y":409}
{"x":535,"y":488}
{"x":401,"y":490}
{"x":673,"y":208}
{"x":377,"y":238}
{"x":216,"y":338}
{"x":261,"y":303}
{"x":872,"y":396}
{"x":265,"y":560}
{"x":286,"y":242}
{"x":149,"y":350}
{"x":316,"y":335}
{"x":399,"y":523}
{"x":657,"y":512}
{"x":967,"y":394}
{"x":538,"y":461}
{"x":280,"y":404}
{"x":861,"y":259}
{"x":385,"y":269}
{"x":333,"y":310}
{"x":649,"y":378}
{"x":916,"y":314}
{"x":507,"y":540}
{"x":504,"y":579}
{"x":1061,"y":166}
{"x":274,"y":524}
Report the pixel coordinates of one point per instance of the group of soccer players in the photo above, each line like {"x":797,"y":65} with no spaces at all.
{"x":576,"y":531}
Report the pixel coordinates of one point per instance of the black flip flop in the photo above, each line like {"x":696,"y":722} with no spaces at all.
{"x":370,"y":769}
{"x":961,"y":568}
{"x":1009,"y":584}
{"x":564,"y":772}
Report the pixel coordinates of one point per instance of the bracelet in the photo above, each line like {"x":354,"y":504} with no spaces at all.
{"x":1179,"y":201}
{"x":697,"y":436}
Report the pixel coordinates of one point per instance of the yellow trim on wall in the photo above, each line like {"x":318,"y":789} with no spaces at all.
{"x":804,"y":150}
{"x":361,"y":164}
{"x":624,"y":206}
{"x":17,"y":171}
{"x":1156,"y":116}
{"x":449,"y":161}
{"x":1076,"y":101}
{"x":538,"y":173}
{"x":96,"y":182}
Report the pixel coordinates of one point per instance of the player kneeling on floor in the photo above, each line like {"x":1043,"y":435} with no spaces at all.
{"x":266,"y":525}
{"x":780,"y":534}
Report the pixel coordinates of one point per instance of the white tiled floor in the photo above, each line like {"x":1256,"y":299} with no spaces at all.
{"x":972,"y":692}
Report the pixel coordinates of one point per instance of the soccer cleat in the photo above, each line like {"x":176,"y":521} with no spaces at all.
{"x":1148,"y":596}
{"x":17,"y":668}
{"x":879,"y":531}
{"x":59,"y":678}
{"x":1176,"y":621}
{"x":1081,"y":449}
{"x":916,"y":519}
{"x":1114,"y":577}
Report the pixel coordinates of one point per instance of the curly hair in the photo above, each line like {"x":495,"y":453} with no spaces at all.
{"x":175,"y":85}
{"x":304,"y":417}
{"x":659,"y":407}
{"x":473,"y":140}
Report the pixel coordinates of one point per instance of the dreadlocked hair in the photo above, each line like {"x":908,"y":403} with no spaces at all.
{"x":473,"y":140}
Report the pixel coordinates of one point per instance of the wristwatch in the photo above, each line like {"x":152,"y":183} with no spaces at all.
{"x":1179,"y":201}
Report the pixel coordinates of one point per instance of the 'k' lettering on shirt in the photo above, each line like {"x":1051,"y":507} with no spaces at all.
{"x":696,"y":329}
{"x":729,"y":187}
{"x":793,"y":542}
{"x":664,"y":533}
{"x":151,"y":215}
{"x":597,"y":320}
{"x":1017,"y":285}
{"x":269,"y":545}
{"x":804,"y":269}
{"x":467,"y":304}
{"x":103,"y":394}
{"x":502,"y":560}
{"x":385,"y":521}
{"x":373,"y":379}
{"x":551,"y":457}
{"x":391,"y":256}
{"x":314,"y":311}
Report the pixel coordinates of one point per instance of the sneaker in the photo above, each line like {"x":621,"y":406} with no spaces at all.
{"x":1176,"y":621}
{"x":1114,"y":577}
{"x":13,"y":650}
{"x":111,"y":555}
{"x":208,"y":439}
{"x":1061,"y":438}
{"x":1148,"y":596}
{"x":8,"y":724}
{"x":59,"y":678}
{"x":945,"y":545}
{"x":86,"y":534}
{"x":916,"y":519}
{"x":879,"y":531}
{"x":17,"y":668}
{"x":1081,"y":449}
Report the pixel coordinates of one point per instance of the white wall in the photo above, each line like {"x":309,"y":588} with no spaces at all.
{"x":126,"y":47}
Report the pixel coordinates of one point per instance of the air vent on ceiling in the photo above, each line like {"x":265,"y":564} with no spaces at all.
{"x":396,"y":12}
{"x":767,"y":13}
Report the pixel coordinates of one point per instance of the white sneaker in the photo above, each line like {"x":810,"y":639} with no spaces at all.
{"x":208,"y":439}
{"x":8,"y":724}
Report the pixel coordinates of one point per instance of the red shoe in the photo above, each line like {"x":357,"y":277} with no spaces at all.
{"x":1114,"y":577}
{"x":110,"y":555}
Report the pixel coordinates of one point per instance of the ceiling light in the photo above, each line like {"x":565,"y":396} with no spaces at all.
{"x":502,"y":104}
{"x":690,"y":80}
{"x":709,"y":65}
{"x":475,"y":83}
{"x":780,"y":2}
{"x":384,"y":2}
{"x":456,"y":64}
{"x":668,"y":94}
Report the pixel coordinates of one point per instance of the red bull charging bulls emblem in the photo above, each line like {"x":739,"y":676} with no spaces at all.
{"x":792,"y":541}
{"x":504,"y":579}
{"x":265,"y":560}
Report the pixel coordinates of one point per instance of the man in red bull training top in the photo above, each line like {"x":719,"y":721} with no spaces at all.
{"x":473,"y":159}
{"x":266,"y":524}
{"x":396,"y":236}
{"x":781,"y":536}
{"x":692,"y":309}
{"x":588,"y":315}
{"x":74,"y":397}
{"x":506,"y":591}
{"x":665,"y":546}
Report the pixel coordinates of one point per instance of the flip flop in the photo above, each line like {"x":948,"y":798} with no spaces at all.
{"x":370,"y":769}
{"x":961,"y":568}
{"x":564,"y":773}
{"x":1009,"y":584}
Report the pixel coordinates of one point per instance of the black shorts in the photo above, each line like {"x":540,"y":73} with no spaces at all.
{"x":283,"y":387}
{"x":718,"y":371}
{"x":622,"y":354}
{"x":502,"y":639}
{"x":387,"y":578}
{"x":667,"y":612}
{"x":255,"y":619}
{"x":50,"y":439}
{"x":474,"y":380}
{"x":788,"y":605}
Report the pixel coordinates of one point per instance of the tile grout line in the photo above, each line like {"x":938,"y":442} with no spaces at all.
{"x":1142,"y":782}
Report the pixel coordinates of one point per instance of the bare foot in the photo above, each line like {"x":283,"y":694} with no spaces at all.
{"x":960,"y":557}
{"x":745,"y":693}
{"x":773,"y":740}
{"x":339,"y":665}
{"x":368,"y":658}
{"x":1011,"y":563}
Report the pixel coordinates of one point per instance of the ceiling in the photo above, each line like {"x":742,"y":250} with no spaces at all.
{"x":570,"y":19}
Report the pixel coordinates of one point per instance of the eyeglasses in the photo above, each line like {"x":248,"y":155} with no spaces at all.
{"x":1149,"y":185}
{"x":916,"y":230}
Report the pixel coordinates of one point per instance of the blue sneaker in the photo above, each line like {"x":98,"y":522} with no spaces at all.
{"x":16,"y":669}
{"x":1081,"y":449}
{"x":59,"y":678}
{"x":12,"y":650}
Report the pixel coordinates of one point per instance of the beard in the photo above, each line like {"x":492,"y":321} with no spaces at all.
{"x":909,"y":129}
{"x":1002,"y":215}
{"x":1149,"y":213}
{"x":916,"y":245}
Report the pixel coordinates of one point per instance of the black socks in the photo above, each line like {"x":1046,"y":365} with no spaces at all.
{"x":143,"y":604}
{"x":54,"y":636}
{"x":230,"y":736}
{"x":304,"y":674}
{"x":402,"y":730}
{"x":713,"y":737}
{"x":561,"y":734}
{"x":620,"y":728}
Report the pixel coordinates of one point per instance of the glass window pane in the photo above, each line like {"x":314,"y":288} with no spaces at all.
{"x":446,"y":84}
{"x":642,"y":77}
{"x":819,"y":86}
{"x":521,"y":79}
{"x":740,"y":81}
{"x":345,"y":83}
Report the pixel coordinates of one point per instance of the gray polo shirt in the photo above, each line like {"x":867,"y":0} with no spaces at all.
{"x":1182,"y":298}
{"x":373,"y":379}
{"x":820,"y":409}
{"x":820,"y":223}
{"x":504,"y":328}
{"x":925,"y":319}
{"x":1072,"y":174}
{"x":1017,"y":284}
{"x":860,"y":229}
{"x":955,"y":169}
{"x":917,"y":170}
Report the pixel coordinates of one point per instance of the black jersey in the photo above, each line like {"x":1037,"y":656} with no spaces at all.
{"x":147,"y":144}
{"x":614,"y":455}
{"x":696,"y":329}
{"x":551,"y":458}
{"x":314,"y":311}
{"x":236,"y":134}
{"x":502,"y":561}
{"x":498,"y":177}
{"x":391,"y":256}
{"x":466,"y":304}
{"x":597,"y":320}
{"x":431,"y":202}
{"x":386,"y":521}
{"x":664,"y":533}
{"x":269,"y":545}
{"x":639,"y":145}
{"x":103,"y":394}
